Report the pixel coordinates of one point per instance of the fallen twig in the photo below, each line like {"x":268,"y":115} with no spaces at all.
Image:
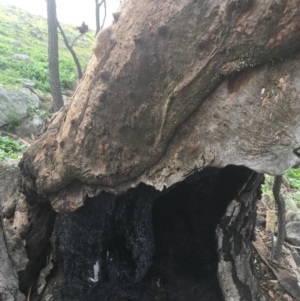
{"x":288,"y":282}
{"x":291,"y":246}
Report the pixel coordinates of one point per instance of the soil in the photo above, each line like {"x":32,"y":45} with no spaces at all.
{"x":269,"y":284}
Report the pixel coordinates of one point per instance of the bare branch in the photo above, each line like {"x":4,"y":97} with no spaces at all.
{"x":281,"y":218}
{"x":98,"y":6}
{"x":76,"y":39}
{"x":79,"y":71}
{"x":104,"y":2}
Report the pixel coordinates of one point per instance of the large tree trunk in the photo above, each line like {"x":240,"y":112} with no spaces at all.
{"x":139,"y":165}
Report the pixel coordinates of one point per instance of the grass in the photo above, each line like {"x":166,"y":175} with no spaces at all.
{"x":16,"y":38}
{"x":10,"y":148}
{"x":293,"y":179}
{"x":293,"y":176}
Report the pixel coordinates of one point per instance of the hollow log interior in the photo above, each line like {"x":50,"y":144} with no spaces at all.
{"x":148,"y":245}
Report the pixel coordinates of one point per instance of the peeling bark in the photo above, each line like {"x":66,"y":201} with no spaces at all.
{"x":236,"y":270}
{"x":167,"y":72}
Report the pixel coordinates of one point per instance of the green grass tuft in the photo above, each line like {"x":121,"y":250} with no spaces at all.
{"x":10,"y":148}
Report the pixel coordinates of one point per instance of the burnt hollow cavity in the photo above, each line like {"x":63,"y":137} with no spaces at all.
{"x":148,"y":245}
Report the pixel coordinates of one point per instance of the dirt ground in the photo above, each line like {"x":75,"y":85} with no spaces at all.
{"x":270,"y":272}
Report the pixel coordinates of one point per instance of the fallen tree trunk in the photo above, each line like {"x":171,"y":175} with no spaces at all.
{"x":137,"y":114}
{"x":174,"y":94}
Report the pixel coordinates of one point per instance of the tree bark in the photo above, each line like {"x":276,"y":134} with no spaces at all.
{"x":53,"y":56}
{"x":146,"y":245}
{"x":276,"y":252}
{"x":228,"y":72}
{"x":139,"y":164}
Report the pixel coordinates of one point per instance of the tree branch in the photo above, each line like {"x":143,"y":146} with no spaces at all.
{"x":104,"y":3}
{"x":79,"y":71}
{"x":281,"y":218}
{"x":98,"y":5}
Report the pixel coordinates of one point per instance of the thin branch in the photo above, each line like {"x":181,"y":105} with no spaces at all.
{"x":281,"y":217}
{"x":76,"y":38}
{"x":98,"y":5}
{"x":79,"y":71}
{"x":291,"y":246}
{"x":104,"y":2}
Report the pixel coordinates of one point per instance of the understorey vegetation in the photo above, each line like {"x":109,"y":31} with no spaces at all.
{"x":23,"y":33}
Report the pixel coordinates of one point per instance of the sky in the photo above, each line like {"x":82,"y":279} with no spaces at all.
{"x":68,"y":11}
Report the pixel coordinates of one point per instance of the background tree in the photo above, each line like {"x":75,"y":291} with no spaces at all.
{"x":98,"y":6}
{"x":53,"y":56}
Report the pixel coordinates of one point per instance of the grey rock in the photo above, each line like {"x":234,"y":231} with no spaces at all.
{"x":27,"y":83}
{"x":9,"y":284}
{"x":14,"y":104}
{"x":21,"y":57}
{"x":291,"y":205}
{"x":9,"y":208}
{"x":30,"y":125}
{"x":260,"y":220}
{"x":15,"y":247}
{"x":292,"y":216}
{"x":16,"y":44}
{"x":36,"y":32}
{"x":296,"y":258}
{"x":12,"y":201}
{"x":10,"y":179}
{"x":293,"y":233}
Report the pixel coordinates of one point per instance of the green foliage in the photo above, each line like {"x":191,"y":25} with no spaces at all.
{"x":16,"y":37}
{"x":39,"y":112}
{"x":14,"y":119}
{"x":10,"y":148}
{"x":267,"y":186}
{"x":293,"y":177}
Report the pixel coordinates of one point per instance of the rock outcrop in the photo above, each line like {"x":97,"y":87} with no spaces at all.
{"x":15,"y":105}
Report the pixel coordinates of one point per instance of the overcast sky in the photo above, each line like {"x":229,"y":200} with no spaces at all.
{"x":68,"y":11}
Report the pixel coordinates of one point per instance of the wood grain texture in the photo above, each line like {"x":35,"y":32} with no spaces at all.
{"x":180,"y":85}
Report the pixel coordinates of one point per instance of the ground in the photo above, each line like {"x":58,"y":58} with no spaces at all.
{"x":268,"y":281}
